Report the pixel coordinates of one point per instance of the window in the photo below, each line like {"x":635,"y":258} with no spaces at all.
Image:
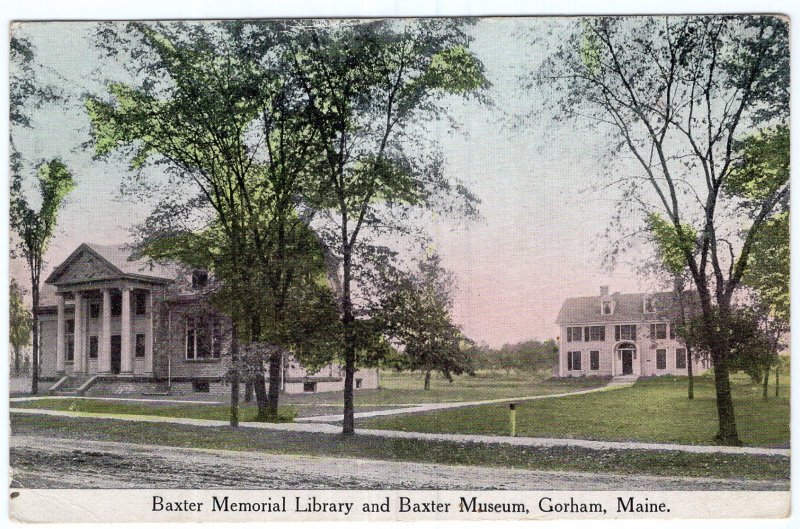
{"x":140,"y":302}
{"x":594,"y":360}
{"x":140,"y":348}
{"x":661,"y":358}
{"x":624,"y":332}
{"x":94,"y":310}
{"x":607,"y":308}
{"x":199,"y":279}
{"x":200,"y":339}
{"x":658,"y":331}
{"x":574,"y":334}
{"x":116,"y":303}
{"x":671,"y":331}
{"x":358,"y":383}
{"x":93,"y":346}
{"x":574,"y":361}
{"x":309,"y":387}
{"x":201,"y":386}
{"x":69,"y":340}
{"x":649,"y":304}
{"x":680,"y":358}
{"x":596,"y":333}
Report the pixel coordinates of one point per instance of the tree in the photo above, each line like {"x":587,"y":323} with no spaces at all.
{"x":368,"y":84}
{"x":35,"y":230}
{"x":19,"y":322}
{"x":671,"y":260}
{"x":765,"y":159}
{"x":226,"y":122}
{"x":677,"y":93}
{"x":415,"y":314}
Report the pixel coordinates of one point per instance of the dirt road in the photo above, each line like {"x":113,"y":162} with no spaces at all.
{"x":46,"y":462}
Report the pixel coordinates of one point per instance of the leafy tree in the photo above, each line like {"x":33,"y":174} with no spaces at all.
{"x":670,"y":252}
{"x":416,"y":315}
{"x":34,"y":229}
{"x":677,"y":93}
{"x":19,"y":322}
{"x":369,"y":86}
{"x":234,"y":137}
{"x":764,"y":161}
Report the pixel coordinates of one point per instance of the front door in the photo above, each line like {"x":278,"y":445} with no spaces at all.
{"x":627,"y":362}
{"x":116,"y":353}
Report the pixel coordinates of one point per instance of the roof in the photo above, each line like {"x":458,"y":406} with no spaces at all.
{"x":118,"y":262}
{"x":627,"y":308}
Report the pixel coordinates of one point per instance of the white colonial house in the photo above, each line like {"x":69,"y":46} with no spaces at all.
{"x":621,"y":335}
{"x":112,"y":324}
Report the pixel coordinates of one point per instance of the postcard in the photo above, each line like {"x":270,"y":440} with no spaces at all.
{"x":399,"y":269}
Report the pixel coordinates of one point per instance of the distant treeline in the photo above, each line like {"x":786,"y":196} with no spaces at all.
{"x":530,"y":355}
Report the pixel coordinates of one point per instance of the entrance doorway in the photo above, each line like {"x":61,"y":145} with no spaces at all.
{"x":627,"y":352}
{"x":116,"y":353}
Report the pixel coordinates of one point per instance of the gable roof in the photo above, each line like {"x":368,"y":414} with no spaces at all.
{"x":628,"y":308}
{"x":110,"y":262}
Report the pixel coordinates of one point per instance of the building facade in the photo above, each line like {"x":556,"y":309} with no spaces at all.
{"x":622,"y":335}
{"x":113,"y":324}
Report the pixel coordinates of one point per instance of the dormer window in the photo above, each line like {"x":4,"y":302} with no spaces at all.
{"x":199,"y":279}
{"x":649,"y":305}
{"x":607,"y":308}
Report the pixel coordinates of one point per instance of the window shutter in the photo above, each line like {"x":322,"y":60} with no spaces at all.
{"x":616,"y":333}
{"x":569,"y":361}
{"x":586,"y":334}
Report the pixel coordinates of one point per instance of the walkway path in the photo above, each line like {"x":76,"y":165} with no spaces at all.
{"x":459,"y":438}
{"x":420,"y":408}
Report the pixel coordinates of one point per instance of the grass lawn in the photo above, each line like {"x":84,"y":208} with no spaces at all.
{"x":406,"y":388}
{"x":654,"y":410}
{"x":639,"y":462}
{"x":397,"y":389}
{"x":218,"y":412}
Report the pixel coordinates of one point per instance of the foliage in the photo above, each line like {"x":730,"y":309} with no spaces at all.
{"x":20,"y":322}
{"x":528,"y":356}
{"x":415,"y":314}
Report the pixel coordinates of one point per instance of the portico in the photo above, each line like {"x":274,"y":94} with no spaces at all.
{"x":104,"y":317}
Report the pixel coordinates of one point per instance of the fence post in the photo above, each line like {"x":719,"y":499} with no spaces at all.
{"x":513,"y":418}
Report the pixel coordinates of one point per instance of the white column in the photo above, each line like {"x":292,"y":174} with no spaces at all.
{"x":60,"y":349}
{"x":127,"y":361}
{"x":104,"y":363}
{"x":80,"y":365}
{"x":148,"y":352}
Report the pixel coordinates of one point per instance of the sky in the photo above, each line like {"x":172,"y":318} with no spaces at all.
{"x":541,"y":233}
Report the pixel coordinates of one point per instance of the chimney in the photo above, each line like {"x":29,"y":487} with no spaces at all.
{"x":604,"y":290}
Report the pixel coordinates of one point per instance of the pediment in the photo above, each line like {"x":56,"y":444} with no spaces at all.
{"x":84,"y":265}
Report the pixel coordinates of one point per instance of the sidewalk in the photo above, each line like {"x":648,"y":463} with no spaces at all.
{"x":534,"y":442}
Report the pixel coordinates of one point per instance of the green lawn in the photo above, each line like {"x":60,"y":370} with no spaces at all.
{"x":407,"y":388}
{"x":641,"y":462}
{"x":654,"y":410}
{"x":218,"y":412}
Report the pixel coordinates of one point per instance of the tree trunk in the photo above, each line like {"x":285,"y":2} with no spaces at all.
{"x":427,"y":380}
{"x":727,"y":434}
{"x":690,"y":371}
{"x":35,"y":355}
{"x":766,"y":382}
{"x":234,"y":377}
{"x":777,"y":385}
{"x":260,"y":388}
{"x":16,"y":361}
{"x":248,"y":392}
{"x":348,"y":423}
{"x":273,"y":395}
